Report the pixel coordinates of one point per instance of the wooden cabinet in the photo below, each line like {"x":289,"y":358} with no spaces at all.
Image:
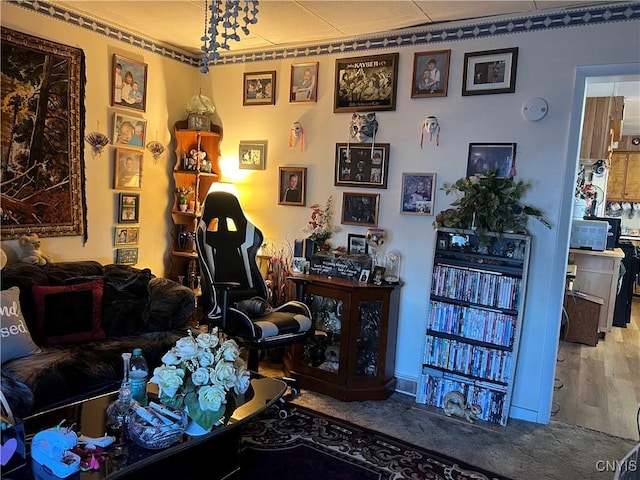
{"x":601,"y":126}
{"x":623,"y":182}
{"x":474,"y":321}
{"x":189,"y":174}
{"x":352,"y":354}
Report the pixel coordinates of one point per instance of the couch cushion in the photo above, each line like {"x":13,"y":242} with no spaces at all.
{"x":69,"y":313}
{"x":16,"y":341}
{"x":126,"y":304}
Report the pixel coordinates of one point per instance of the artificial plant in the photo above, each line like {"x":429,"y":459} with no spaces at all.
{"x":488,"y":203}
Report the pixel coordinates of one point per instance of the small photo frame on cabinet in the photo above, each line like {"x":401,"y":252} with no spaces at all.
{"x":292,"y":187}
{"x":129,"y":207}
{"x":490,"y":71}
{"x":127,"y":256}
{"x":491,"y":157}
{"x":129,"y":132}
{"x":304,"y":82}
{"x":430,"y":74}
{"x":360,"y":209}
{"x":199,"y":122}
{"x":126,"y":235}
{"x":259,"y":88}
{"x":364,"y":275}
{"x":252,"y":155}
{"x":357,"y":244}
{"x":418,"y":193}
{"x":129,"y":83}
{"x":127,"y":173}
{"x":377,"y":276}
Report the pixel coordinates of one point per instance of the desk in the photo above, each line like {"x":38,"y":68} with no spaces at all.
{"x":597,"y":275}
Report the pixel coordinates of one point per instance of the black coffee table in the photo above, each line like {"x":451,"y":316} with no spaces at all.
{"x":216,"y":453}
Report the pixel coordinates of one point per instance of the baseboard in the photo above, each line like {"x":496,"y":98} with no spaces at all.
{"x":408,"y":386}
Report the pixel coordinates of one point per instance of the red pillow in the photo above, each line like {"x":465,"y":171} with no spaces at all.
{"x":69,"y":313}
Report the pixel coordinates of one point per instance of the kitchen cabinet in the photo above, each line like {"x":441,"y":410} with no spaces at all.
{"x":191,"y":174}
{"x":623,"y":182}
{"x":602,"y":125}
{"x":351,"y":355}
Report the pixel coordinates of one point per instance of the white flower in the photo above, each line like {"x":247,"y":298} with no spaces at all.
{"x":200,"y":376}
{"x":168,"y":378}
{"x":225,"y":374}
{"x":206,"y":358}
{"x":229,"y":351}
{"x":186,"y":348}
{"x":243,"y":379}
{"x":212,"y":397}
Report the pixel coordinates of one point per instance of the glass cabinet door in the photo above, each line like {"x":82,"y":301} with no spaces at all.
{"x":322,"y":350}
{"x":368,"y":338}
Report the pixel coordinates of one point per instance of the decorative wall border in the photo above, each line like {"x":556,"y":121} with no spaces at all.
{"x":433,"y":35}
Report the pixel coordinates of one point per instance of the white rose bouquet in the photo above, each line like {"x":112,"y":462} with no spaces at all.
{"x":199,"y":374}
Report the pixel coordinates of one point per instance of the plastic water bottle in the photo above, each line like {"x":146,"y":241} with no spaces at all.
{"x":138,"y":376}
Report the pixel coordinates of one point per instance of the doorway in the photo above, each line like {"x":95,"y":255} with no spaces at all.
{"x":596,"y":387}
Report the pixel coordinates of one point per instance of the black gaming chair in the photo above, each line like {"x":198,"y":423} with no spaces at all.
{"x":234,"y":292}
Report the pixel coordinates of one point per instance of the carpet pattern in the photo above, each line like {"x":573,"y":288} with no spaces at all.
{"x":308,"y":445}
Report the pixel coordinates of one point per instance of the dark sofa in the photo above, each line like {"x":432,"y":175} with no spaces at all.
{"x":83,"y":316}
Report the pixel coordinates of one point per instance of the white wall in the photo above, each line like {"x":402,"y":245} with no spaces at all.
{"x":548,"y":66}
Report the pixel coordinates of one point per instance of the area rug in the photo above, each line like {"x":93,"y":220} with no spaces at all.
{"x":308,"y":445}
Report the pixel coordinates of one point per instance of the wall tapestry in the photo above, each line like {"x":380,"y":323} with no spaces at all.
{"x":42,"y":92}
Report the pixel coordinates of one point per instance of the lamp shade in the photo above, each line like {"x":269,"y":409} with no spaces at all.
{"x":200,"y":105}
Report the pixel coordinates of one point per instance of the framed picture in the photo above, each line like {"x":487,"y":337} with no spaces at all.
{"x":259,"y":88}
{"x":364,"y":275}
{"x":129,"y":86}
{"x":292,"y":187}
{"x":491,"y":71}
{"x":127,"y":256}
{"x":199,"y":122}
{"x":356,"y":244}
{"x":377,"y":275}
{"x":129,"y":208}
{"x":360,"y":209}
{"x":486,"y":157}
{"x":128,"y":169}
{"x":304,"y":83}
{"x":418,"y":193}
{"x":430,"y":74}
{"x":365,"y":84}
{"x":129,"y":131}
{"x":252,"y":155}
{"x":126,"y":235}
{"x":360,"y":165}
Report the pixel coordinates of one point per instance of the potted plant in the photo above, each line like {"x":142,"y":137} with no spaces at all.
{"x":488,"y":203}
{"x":183,"y":197}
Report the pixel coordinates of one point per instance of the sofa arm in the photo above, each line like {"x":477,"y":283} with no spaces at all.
{"x":170,"y":305}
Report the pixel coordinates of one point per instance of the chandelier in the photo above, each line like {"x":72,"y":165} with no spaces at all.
{"x":221,"y":18}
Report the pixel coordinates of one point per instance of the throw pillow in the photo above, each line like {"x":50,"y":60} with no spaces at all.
{"x":126,"y":304}
{"x":69,"y":313}
{"x":16,"y":341}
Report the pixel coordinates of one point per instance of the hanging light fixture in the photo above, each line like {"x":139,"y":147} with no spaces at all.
{"x":221,"y":18}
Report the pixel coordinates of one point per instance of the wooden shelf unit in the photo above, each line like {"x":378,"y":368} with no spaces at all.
{"x":472,"y":332}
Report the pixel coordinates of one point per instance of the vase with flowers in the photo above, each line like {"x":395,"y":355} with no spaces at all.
{"x":201,"y":375}
{"x":584,"y":196}
{"x":183,"y":197}
{"x":319,"y":227}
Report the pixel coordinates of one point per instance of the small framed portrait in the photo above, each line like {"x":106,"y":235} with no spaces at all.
{"x":491,"y":71}
{"x":360,"y":209}
{"x":364,"y":275}
{"x":418,"y":193}
{"x":491,"y":157}
{"x":129,"y":208}
{"x":129,"y":83}
{"x":127,"y":256}
{"x":430,"y":74}
{"x":292,"y":187}
{"x":129,"y":131}
{"x":360,"y":165}
{"x":128,"y":169}
{"x":126,"y":235}
{"x":377,"y":275}
{"x":365,"y":84}
{"x":252,"y":155}
{"x":259,"y":88}
{"x":304,"y":83}
{"x":356,"y":244}
{"x":199,"y":122}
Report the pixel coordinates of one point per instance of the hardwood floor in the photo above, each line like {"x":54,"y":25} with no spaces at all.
{"x":599,"y":387}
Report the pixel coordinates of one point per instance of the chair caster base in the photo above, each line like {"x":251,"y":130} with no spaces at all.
{"x":292,"y":384}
